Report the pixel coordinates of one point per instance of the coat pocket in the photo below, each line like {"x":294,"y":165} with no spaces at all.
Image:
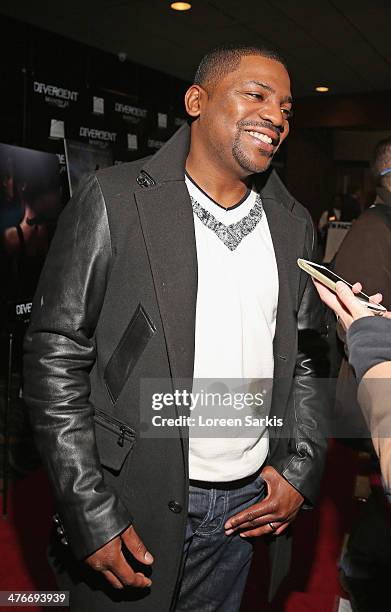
{"x":114,"y":440}
{"x":132,"y":344}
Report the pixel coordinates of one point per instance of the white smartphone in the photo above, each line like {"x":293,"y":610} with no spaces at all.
{"x":329,"y":278}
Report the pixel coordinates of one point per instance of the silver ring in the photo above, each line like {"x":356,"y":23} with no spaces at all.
{"x":272,"y":526}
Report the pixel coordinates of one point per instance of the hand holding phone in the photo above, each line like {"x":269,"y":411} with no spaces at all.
{"x":329,"y":279}
{"x":344,"y":303}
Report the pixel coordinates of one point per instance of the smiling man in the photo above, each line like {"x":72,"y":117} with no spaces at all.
{"x":180,"y":267}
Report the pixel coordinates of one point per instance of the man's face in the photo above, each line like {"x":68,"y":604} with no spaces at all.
{"x":244,"y":117}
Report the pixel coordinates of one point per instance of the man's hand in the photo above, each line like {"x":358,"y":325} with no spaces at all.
{"x":110,"y":561}
{"x":273,"y":514}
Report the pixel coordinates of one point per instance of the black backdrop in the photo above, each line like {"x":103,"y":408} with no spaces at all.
{"x":47,"y":77}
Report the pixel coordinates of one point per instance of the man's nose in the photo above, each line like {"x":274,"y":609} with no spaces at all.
{"x":271,"y":111}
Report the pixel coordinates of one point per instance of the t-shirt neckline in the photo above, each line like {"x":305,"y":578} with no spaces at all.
{"x":243,"y":199}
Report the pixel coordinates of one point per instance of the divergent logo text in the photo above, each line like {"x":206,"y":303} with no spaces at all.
{"x":57,"y":92}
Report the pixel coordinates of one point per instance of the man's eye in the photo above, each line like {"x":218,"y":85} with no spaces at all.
{"x":256,"y":96}
{"x":287,"y":112}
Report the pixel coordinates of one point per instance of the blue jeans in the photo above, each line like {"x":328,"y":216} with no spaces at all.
{"x":215,"y":566}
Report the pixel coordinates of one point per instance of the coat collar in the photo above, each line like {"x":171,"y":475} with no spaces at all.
{"x":168,"y":164}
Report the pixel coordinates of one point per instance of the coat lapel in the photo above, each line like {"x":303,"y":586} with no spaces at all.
{"x":288,"y":235}
{"x":167,"y":221}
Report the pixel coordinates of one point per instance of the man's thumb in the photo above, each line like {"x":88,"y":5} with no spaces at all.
{"x":136,"y":546}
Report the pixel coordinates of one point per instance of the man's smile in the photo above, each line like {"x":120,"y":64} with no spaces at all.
{"x":261,"y":136}
{"x":265,"y":139}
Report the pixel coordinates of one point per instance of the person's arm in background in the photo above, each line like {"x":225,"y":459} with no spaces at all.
{"x":369,"y":343}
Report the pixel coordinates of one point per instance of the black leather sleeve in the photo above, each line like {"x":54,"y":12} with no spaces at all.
{"x":307,"y":420}
{"x":59,"y":354}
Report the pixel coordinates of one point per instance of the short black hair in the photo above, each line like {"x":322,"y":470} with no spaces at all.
{"x":382,"y":161}
{"x":221,"y":60}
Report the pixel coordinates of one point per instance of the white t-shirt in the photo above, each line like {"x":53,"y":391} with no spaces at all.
{"x":235,"y":322}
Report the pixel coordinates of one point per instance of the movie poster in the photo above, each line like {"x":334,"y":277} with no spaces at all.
{"x":82,"y":159}
{"x":31,"y":199}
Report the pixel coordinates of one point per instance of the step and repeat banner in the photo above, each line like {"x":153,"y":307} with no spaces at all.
{"x":107,"y":120}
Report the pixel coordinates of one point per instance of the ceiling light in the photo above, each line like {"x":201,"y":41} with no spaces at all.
{"x":321,"y":89}
{"x":181,"y":6}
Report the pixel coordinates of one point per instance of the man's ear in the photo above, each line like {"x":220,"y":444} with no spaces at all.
{"x":194,"y":98}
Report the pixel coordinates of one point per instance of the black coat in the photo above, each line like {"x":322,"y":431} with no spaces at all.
{"x":115,"y":306}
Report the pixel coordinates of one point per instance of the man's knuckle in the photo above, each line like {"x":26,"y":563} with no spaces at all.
{"x":136,"y":581}
{"x":97,"y":565}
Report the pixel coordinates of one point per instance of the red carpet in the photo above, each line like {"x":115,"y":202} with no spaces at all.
{"x":312,"y":585}
{"x":24,"y":535}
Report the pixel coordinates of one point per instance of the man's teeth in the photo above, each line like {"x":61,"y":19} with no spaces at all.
{"x":262,"y":137}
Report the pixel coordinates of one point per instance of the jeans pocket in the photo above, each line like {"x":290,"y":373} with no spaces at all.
{"x":216,"y":516}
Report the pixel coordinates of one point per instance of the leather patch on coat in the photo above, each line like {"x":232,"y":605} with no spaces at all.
{"x":130,"y":348}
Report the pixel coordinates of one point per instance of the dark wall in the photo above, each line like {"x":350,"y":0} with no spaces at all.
{"x":310,"y":168}
{"x":357,"y":111}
